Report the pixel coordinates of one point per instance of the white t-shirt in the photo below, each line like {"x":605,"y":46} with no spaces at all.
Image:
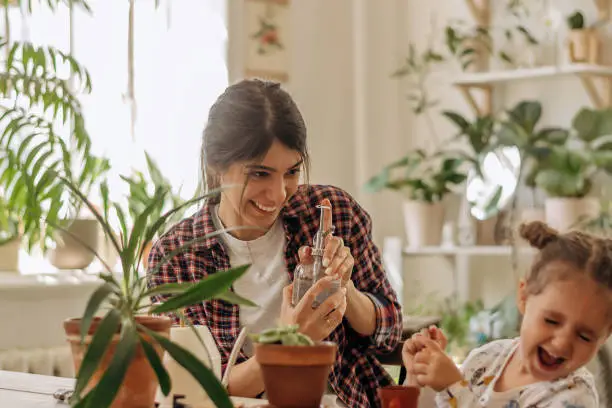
{"x":263,"y":283}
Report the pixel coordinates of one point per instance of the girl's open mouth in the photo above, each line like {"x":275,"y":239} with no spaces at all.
{"x":548,"y":361}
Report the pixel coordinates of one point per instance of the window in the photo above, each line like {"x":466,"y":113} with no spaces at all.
{"x":179,"y":70}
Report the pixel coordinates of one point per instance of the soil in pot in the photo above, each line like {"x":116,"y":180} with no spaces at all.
{"x":140,"y":383}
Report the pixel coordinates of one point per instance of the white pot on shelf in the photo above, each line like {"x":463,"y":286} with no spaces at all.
{"x":532,"y":214}
{"x":423,"y":222}
{"x":562,"y":213}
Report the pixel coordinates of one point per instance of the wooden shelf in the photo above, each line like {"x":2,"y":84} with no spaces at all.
{"x":587,"y":73}
{"x":480,"y":10}
{"x":603,"y":9}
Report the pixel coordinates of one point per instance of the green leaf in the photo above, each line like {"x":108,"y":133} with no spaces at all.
{"x":160,"y":371}
{"x":103,"y":335}
{"x":209,"y":287}
{"x":106,"y":390}
{"x":168,"y":288}
{"x":235,"y":299}
{"x":207,"y":379}
{"x":457,"y":119}
{"x":93,"y":304}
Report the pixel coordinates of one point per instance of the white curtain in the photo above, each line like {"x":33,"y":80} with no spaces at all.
{"x":180,"y":68}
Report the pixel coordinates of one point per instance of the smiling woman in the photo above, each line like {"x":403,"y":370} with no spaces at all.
{"x":254,"y":150}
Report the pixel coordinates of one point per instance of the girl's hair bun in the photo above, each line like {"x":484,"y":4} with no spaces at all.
{"x":538,"y":234}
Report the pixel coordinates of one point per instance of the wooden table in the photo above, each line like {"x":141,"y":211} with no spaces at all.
{"x":20,"y":390}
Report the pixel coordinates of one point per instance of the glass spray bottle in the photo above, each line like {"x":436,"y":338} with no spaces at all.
{"x":307,"y":275}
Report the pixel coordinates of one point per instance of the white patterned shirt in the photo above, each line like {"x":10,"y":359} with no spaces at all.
{"x":484,"y":365}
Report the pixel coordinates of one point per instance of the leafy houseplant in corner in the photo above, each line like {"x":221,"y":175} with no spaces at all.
{"x":294,"y":368}
{"x":426,"y":180}
{"x":39,"y":114}
{"x":117,"y":353}
{"x":567,"y":174}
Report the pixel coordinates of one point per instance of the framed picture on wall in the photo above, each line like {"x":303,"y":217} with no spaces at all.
{"x":267,"y":39}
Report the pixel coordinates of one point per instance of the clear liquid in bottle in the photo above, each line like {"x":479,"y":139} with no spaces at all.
{"x":303,"y":280}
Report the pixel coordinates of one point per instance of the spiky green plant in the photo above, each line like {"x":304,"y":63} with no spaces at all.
{"x":123,"y":298}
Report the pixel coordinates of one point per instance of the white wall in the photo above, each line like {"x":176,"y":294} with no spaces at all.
{"x":358,"y":119}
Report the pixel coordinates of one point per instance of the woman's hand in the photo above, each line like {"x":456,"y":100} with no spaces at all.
{"x":316,"y":323}
{"x":431,"y":367}
{"x":337,"y":258}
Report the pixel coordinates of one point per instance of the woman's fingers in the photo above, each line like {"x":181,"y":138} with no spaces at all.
{"x":340,"y":263}
{"x":305,"y":255}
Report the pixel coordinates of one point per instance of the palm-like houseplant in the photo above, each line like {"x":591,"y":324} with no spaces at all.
{"x":106,"y":367}
{"x":43,"y":129}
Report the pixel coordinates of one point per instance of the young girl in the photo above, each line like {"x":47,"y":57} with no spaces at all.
{"x":255,"y":139}
{"x":566,"y":303}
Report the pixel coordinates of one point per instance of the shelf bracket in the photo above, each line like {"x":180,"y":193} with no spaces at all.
{"x":600,"y":95}
{"x":480,"y":109}
{"x":481,"y":12}
{"x":603,"y":9}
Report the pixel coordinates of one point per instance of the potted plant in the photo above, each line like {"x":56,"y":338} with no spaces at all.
{"x":142,"y":191}
{"x":520,"y":129}
{"x":417,"y":69}
{"x":426,"y":180}
{"x":478,"y":219}
{"x":118,"y":342}
{"x":40,"y":114}
{"x":566,"y":174}
{"x":470,"y":46}
{"x":294,"y":368}
{"x":10,"y":239}
{"x":583,"y":42}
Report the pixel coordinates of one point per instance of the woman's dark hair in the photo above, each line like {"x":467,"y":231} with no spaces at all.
{"x":242,"y":124}
{"x":583,"y":252}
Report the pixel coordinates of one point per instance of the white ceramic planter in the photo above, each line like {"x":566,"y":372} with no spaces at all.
{"x":182,"y":382}
{"x":70,"y":253}
{"x":423,"y":223}
{"x":563,"y":213}
{"x":532,"y":214}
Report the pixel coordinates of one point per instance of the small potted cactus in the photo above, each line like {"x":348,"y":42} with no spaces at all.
{"x":294,"y":368}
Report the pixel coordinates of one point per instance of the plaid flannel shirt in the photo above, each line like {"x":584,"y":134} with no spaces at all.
{"x":357,"y":374}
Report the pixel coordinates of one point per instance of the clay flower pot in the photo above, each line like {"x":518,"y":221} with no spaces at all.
{"x":398,"y":396}
{"x":140,"y":383}
{"x":295,"y":376}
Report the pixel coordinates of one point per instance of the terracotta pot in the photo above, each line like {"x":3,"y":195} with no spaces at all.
{"x":423,"y":222}
{"x":398,"y":396}
{"x":295,"y":376}
{"x":140,"y":383}
{"x":69,"y":252}
{"x":584,"y":46}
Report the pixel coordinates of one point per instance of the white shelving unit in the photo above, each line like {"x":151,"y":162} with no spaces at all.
{"x":459,"y":257}
{"x":485,"y":82}
{"x":460,"y":250}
